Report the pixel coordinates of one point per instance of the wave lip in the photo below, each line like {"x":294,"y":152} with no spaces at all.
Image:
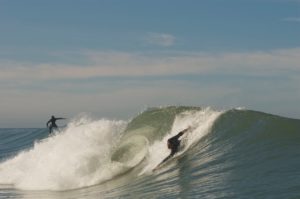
{"x":223,"y":149}
{"x":90,"y":152}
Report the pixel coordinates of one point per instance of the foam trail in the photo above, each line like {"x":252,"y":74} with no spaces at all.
{"x":201,"y":123}
{"x":78,"y":156}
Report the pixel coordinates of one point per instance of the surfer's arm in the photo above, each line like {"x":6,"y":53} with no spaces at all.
{"x":60,"y":118}
{"x":188,"y":128}
{"x":168,"y":157}
{"x":48,"y":123}
{"x":182,"y":132}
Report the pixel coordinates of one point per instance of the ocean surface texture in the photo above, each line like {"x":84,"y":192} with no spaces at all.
{"x":227,"y":154}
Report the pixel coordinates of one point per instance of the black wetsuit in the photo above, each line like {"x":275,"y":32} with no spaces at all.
{"x":174,"y":144}
{"x":53,"y":124}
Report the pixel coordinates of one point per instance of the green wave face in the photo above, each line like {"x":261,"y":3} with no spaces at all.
{"x":151,"y":125}
{"x":155,"y":123}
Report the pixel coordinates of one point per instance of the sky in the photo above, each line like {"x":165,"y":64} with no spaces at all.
{"x":113,"y":59}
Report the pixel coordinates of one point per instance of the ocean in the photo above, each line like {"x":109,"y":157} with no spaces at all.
{"x":235,"y":153}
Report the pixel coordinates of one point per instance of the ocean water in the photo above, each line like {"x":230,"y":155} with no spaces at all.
{"x":227,"y":154}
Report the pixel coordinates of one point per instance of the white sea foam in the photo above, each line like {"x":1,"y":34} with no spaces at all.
{"x":81,"y":154}
{"x":240,"y":108}
{"x":200,"y":123}
{"x":76,"y":157}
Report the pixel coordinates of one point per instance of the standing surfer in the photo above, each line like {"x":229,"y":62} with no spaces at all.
{"x":52,"y":123}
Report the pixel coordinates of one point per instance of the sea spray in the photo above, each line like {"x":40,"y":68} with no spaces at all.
{"x":200,"y":122}
{"x":88,"y":152}
{"x":238,"y":154}
{"x":76,"y":157}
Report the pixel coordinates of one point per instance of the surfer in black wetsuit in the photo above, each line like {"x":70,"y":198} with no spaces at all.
{"x":174,"y":143}
{"x":52,"y":123}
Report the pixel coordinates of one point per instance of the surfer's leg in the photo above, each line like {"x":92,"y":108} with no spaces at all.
{"x":173,"y":151}
{"x":55,"y":128}
{"x":169,"y":156}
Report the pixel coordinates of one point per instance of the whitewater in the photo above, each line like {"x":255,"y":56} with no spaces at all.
{"x":236,"y":153}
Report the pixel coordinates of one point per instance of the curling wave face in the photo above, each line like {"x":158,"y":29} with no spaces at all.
{"x":89,"y":152}
{"x":237,"y":153}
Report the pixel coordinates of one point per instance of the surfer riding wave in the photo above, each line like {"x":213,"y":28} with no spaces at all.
{"x":174,"y":144}
{"x":52,"y":123}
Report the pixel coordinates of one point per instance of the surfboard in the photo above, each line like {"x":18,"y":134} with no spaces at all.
{"x":166,"y":162}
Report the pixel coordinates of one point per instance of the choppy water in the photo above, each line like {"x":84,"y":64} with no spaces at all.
{"x":228,"y":154}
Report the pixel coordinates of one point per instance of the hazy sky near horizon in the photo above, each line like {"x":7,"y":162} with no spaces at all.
{"x":113,"y":58}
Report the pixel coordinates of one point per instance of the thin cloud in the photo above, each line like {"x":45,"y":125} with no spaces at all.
{"x":118,"y":64}
{"x":160,"y":39}
{"x":292,"y":19}
{"x":44,"y":87}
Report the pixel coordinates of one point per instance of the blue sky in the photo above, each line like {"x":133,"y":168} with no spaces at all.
{"x":114,"y":58}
